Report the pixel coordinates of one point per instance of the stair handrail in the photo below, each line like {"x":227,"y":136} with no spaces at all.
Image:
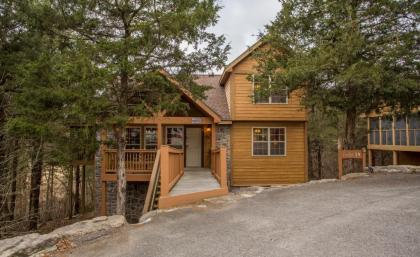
{"x":153,"y":184}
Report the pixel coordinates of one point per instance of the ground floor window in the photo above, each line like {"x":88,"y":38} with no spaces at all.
{"x":175,"y":137}
{"x":269,"y":141}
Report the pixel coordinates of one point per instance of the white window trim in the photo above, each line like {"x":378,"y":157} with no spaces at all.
{"x":269,"y":142}
{"x":269,"y":97}
{"x":144,"y":136}
{"x":166,"y":134}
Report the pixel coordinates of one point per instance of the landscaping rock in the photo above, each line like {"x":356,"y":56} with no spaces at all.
{"x":395,"y":169}
{"x":80,"y":231}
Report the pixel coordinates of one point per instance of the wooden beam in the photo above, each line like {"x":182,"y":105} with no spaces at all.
{"x":410,"y":148}
{"x":171,"y":120}
{"x":130,"y":177}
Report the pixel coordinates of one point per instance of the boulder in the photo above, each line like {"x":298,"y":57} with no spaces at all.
{"x":80,"y":231}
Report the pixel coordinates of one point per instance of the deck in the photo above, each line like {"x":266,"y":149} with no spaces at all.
{"x":195,"y":180}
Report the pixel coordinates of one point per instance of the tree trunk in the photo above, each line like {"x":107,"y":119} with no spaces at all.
{"x":14,"y":169}
{"x":83,"y":188}
{"x":319,"y":157}
{"x":70,"y":193}
{"x":36,"y":176}
{"x":3,"y":179}
{"x":350,"y":129}
{"x":121,"y":176}
{"x":77,"y":191}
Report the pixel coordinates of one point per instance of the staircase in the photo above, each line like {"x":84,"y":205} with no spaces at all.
{"x":153,"y":192}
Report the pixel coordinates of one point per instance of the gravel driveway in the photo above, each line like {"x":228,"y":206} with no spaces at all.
{"x":377,"y":215}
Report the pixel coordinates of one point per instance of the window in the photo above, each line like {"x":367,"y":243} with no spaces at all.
{"x":374,"y":131}
{"x":268,"y":95}
{"x":414,"y":129}
{"x":400,"y":131}
{"x":133,"y":136}
{"x":269,"y":141}
{"x":386,"y":130}
{"x":175,"y":137}
{"x":150,"y":138}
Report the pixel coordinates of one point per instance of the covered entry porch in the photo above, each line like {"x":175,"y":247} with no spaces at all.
{"x":178,"y":155}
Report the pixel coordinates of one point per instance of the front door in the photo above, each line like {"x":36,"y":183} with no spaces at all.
{"x":193,"y":147}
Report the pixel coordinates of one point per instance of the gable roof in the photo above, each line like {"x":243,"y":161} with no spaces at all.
{"x":216,"y":96}
{"x":228,"y":69}
{"x":200,"y":104}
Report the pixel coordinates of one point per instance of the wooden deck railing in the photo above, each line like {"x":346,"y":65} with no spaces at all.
{"x":218,"y":166}
{"x":137,"y":161}
{"x":171,"y":168}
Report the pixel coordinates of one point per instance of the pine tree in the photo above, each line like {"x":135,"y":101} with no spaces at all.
{"x":351,"y":56}
{"x":130,"y":42}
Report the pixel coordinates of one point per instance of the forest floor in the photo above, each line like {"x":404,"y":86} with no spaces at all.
{"x":377,"y":215}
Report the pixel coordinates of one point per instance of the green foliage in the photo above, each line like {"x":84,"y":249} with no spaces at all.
{"x":352,"y":56}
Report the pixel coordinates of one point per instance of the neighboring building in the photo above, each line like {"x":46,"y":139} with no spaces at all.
{"x":397,"y":135}
{"x":233,"y":137}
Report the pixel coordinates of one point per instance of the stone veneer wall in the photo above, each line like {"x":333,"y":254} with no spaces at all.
{"x":136,"y":194}
{"x":223,"y":139}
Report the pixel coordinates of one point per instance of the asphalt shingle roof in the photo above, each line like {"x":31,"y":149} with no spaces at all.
{"x":216,"y":97}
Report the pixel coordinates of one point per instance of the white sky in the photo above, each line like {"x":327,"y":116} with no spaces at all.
{"x":241,"y":21}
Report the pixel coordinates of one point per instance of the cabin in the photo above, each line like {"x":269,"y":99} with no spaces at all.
{"x":397,"y":136}
{"x":234,"y":137}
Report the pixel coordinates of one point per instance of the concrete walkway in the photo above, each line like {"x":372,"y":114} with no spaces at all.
{"x":195,"y":180}
{"x":377,"y":215}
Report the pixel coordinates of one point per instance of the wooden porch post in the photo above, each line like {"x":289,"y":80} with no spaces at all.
{"x":213,"y":136}
{"x":370,"y":157}
{"x":394,"y":158}
{"x":159,"y":134}
{"x":223,"y":167}
{"x":164,"y":170}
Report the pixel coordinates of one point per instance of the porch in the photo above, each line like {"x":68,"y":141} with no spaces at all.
{"x":178,"y":157}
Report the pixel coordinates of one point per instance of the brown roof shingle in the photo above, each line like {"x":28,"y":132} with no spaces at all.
{"x":216,"y":97}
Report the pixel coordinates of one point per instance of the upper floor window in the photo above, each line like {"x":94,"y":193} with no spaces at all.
{"x":374,"y":130}
{"x":264,"y":94}
{"x":414,"y":129}
{"x":269,"y":141}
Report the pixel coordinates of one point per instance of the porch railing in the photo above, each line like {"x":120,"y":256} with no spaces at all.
{"x":172,"y":168}
{"x":137,"y":161}
{"x":218,"y":166}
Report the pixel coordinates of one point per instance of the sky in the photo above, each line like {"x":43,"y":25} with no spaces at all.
{"x":241,"y":21}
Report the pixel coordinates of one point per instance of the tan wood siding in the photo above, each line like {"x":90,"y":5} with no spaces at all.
{"x":268,"y":170}
{"x":227,"y":92}
{"x":245,"y":109}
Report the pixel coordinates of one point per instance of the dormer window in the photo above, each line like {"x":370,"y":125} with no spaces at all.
{"x":265,"y":94}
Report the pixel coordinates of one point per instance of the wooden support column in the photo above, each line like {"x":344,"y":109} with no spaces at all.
{"x":370,"y":157}
{"x":393,"y":130}
{"x":159,"y":134}
{"x":213,"y":135}
{"x":380,"y":130}
{"x":363,"y":159}
{"x":103,"y":199}
{"x":407,"y":134}
{"x":164,"y":170}
{"x":394,"y":158}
